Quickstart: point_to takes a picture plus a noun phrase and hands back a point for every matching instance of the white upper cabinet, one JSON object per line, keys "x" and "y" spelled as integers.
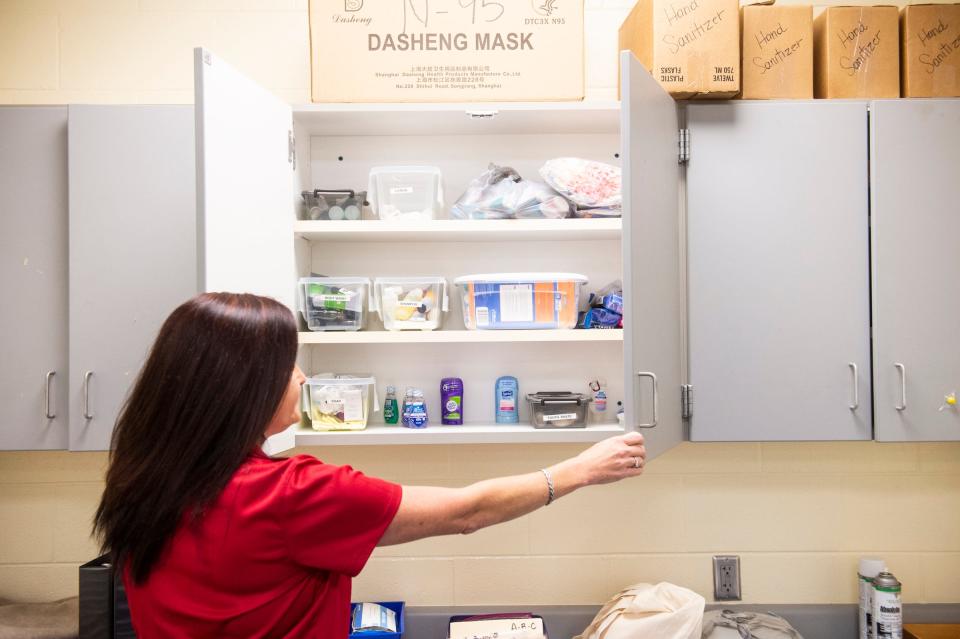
{"x": 33, "y": 277}
{"x": 915, "y": 196}
{"x": 245, "y": 184}
{"x": 778, "y": 271}
{"x": 651, "y": 259}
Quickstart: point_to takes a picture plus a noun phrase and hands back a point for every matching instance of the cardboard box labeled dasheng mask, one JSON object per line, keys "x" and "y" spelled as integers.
{"x": 930, "y": 50}
{"x": 857, "y": 53}
{"x": 777, "y": 52}
{"x": 692, "y": 47}
{"x": 446, "y": 50}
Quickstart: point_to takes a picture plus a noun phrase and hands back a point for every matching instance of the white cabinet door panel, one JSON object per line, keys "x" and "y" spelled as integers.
{"x": 915, "y": 193}
{"x": 33, "y": 277}
{"x": 245, "y": 183}
{"x": 651, "y": 259}
{"x": 779, "y": 310}
{"x": 132, "y": 250}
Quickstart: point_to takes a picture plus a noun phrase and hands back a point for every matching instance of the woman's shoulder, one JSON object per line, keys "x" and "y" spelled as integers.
{"x": 291, "y": 469}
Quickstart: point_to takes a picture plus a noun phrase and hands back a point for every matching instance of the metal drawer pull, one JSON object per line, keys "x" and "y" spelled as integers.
{"x": 49, "y": 414}
{"x": 903, "y": 387}
{"x": 86, "y": 395}
{"x": 856, "y": 387}
{"x": 653, "y": 378}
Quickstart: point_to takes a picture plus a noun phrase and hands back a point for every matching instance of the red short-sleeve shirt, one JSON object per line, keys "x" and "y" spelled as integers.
{"x": 272, "y": 557}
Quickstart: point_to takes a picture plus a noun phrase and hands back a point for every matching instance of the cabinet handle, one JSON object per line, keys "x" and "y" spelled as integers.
{"x": 86, "y": 395}
{"x": 653, "y": 378}
{"x": 856, "y": 387}
{"x": 49, "y": 414}
{"x": 903, "y": 387}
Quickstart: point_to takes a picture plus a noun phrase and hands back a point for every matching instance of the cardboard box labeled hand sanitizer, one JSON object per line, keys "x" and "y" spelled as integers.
{"x": 777, "y": 51}
{"x": 692, "y": 47}
{"x": 857, "y": 52}
{"x": 930, "y": 46}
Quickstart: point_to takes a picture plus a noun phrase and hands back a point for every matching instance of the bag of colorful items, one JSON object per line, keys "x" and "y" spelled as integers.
{"x": 605, "y": 308}
{"x": 594, "y": 187}
{"x": 500, "y": 193}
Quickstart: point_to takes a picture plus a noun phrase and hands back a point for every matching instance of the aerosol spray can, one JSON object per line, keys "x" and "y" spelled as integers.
{"x": 869, "y": 568}
{"x": 887, "y": 609}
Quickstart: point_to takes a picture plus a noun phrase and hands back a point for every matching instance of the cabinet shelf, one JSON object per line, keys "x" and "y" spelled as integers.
{"x": 459, "y": 336}
{"x": 466, "y": 434}
{"x": 570, "y": 229}
{"x": 488, "y": 118}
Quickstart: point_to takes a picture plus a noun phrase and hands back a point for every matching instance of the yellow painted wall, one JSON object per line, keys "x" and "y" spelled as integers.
{"x": 798, "y": 514}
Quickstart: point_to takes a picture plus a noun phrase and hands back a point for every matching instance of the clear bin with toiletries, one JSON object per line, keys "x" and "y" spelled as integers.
{"x": 558, "y": 410}
{"x": 520, "y": 300}
{"x": 339, "y": 402}
{"x": 410, "y": 303}
{"x": 334, "y": 303}
{"x": 406, "y": 192}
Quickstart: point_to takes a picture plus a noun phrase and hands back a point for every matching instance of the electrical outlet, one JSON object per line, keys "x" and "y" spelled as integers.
{"x": 726, "y": 578}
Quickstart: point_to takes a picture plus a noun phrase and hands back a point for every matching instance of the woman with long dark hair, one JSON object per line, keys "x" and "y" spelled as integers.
{"x": 215, "y": 539}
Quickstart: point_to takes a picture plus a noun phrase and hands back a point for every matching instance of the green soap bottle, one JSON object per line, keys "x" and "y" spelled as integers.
{"x": 391, "y": 412}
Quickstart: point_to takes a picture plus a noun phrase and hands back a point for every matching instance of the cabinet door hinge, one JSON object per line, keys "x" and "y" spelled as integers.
{"x": 292, "y": 150}
{"x": 686, "y": 401}
{"x": 683, "y": 155}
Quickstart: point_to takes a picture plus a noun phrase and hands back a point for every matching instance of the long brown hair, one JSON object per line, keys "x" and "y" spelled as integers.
{"x": 213, "y": 381}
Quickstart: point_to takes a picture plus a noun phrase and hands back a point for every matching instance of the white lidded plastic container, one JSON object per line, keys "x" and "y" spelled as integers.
{"x": 410, "y": 303}
{"x": 405, "y": 192}
{"x": 334, "y": 303}
{"x": 339, "y": 402}
{"x": 520, "y": 300}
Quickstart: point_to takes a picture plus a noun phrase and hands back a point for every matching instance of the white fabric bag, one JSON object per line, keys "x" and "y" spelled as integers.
{"x": 645, "y": 611}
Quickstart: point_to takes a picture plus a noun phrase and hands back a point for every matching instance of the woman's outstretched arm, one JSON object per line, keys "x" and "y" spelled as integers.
{"x": 427, "y": 511}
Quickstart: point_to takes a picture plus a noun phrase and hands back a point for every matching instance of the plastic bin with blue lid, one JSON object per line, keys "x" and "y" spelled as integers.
{"x": 520, "y": 300}
{"x": 357, "y": 612}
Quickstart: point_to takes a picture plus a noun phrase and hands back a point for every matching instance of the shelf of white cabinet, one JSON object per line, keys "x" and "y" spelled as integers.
{"x": 458, "y": 118}
{"x": 458, "y": 337}
{"x": 571, "y": 229}
{"x": 466, "y": 434}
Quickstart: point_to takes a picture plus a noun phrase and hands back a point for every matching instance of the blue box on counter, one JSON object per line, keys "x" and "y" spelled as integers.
{"x": 397, "y": 607}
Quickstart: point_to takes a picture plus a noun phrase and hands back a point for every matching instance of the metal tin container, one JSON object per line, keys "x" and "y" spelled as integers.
{"x": 558, "y": 410}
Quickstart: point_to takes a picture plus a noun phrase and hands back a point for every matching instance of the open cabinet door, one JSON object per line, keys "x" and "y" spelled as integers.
{"x": 651, "y": 259}
{"x": 244, "y": 184}
{"x": 245, "y": 178}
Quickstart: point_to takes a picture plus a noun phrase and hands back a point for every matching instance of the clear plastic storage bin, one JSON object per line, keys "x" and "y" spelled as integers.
{"x": 405, "y": 192}
{"x": 334, "y": 303}
{"x": 520, "y": 300}
{"x": 558, "y": 410}
{"x": 321, "y": 204}
{"x": 339, "y": 402}
{"x": 410, "y": 303}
